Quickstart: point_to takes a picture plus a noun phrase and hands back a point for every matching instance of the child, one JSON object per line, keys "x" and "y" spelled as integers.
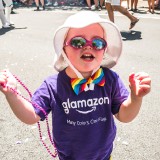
{"x": 85, "y": 96}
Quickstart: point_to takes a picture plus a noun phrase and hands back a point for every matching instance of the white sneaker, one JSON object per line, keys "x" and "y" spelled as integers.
{"x": 6, "y": 25}
{"x": 93, "y": 8}
{"x": 55, "y": 4}
{"x": 49, "y": 4}
{"x": 10, "y": 23}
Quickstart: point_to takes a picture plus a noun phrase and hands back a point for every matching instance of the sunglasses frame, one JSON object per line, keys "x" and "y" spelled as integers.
{"x": 88, "y": 43}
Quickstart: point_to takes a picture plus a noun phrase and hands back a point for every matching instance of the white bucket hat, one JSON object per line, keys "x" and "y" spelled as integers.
{"x": 80, "y": 20}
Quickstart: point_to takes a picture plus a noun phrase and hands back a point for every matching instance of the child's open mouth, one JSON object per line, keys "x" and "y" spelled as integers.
{"x": 87, "y": 57}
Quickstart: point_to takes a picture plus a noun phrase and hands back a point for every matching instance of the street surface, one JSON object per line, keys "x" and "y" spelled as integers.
{"x": 27, "y": 51}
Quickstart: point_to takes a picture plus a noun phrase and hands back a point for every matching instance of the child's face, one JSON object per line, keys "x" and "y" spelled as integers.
{"x": 85, "y": 59}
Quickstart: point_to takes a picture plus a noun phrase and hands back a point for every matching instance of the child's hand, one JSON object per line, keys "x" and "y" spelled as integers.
{"x": 7, "y": 79}
{"x": 140, "y": 84}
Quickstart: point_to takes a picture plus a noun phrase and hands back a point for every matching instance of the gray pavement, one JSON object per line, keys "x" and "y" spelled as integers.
{"x": 27, "y": 50}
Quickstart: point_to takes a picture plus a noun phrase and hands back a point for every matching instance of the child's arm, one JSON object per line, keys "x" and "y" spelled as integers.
{"x": 140, "y": 85}
{"x": 21, "y": 108}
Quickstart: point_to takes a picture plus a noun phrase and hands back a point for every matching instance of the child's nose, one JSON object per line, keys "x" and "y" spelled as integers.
{"x": 88, "y": 46}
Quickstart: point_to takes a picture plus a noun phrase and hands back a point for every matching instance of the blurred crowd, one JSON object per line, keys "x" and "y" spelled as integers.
{"x": 91, "y": 4}
{"x": 7, "y": 7}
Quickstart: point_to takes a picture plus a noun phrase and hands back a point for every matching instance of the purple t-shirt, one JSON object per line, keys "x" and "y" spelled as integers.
{"x": 83, "y": 125}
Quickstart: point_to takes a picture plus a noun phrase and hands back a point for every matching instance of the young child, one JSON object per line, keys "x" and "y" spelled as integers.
{"x": 85, "y": 96}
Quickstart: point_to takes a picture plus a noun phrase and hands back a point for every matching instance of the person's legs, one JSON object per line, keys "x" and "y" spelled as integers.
{"x": 8, "y": 12}
{"x": 132, "y": 2}
{"x": 125, "y": 12}
{"x": 135, "y": 4}
{"x": 88, "y": 3}
{"x": 3, "y": 19}
{"x": 156, "y": 4}
{"x": 2, "y": 16}
{"x": 101, "y": 3}
{"x": 42, "y": 3}
{"x": 152, "y": 4}
{"x": 128, "y": 4}
{"x": 149, "y": 5}
{"x": 110, "y": 11}
{"x": 96, "y": 3}
{"x": 8, "y": 8}
{"x": 37, "y": 5}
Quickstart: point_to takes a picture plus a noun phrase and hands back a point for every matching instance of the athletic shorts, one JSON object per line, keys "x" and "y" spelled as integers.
{"x": 113, "y": 2}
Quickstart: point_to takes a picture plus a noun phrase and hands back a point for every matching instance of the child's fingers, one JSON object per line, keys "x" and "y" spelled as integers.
{"x": 140, "y": 83}
{"x": 133, "y": 83}
{"x": 132, "y": 78}
{"x": 4, "y": 75}
{"x": 144, "y": 89}
{"x": 141, "y": 75}
{"x": 3, "y": 79}
{"x": 2, "y": 83}
{"x": 140, "y": 78}
{"x": 145, "y": 81}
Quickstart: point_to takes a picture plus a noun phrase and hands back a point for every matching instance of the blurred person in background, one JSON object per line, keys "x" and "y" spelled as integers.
{"x": 134, "y": 5}
{"x": 37, "y": 5}
{"x": 2, "y": 16}
{"x": 115, "y": 5}
{"x": 6, "y": 18}
{"x": 151, "y": 6}
{"x": 95, "y": 6}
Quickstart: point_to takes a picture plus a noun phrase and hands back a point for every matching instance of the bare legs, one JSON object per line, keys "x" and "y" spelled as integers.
{"x": 151, "y": 6}
{"x": 101, "y": 2}
{"x": 110, "y": 12}
{"x": 123, "y": 11}
{"x": 134, "y": 2}
{"x": 89, "y": 3}
{"x": 37, "y": 4}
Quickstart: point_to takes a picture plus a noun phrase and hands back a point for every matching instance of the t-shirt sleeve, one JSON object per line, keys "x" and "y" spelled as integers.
{"x": 41, "y": 101}
{"x": 119, "y": 94}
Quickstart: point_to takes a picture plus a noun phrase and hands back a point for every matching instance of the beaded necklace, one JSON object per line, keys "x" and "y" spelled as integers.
{"x": 54, "y": 155}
